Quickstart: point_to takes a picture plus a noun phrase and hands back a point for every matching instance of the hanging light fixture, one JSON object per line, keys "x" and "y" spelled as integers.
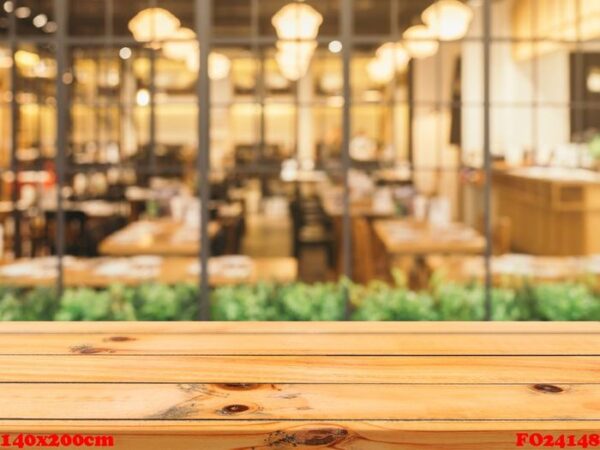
{"x": 380, "y": 70}
{"x": 448, "y": 19}
{"x": 153, "y": 24}
{"x": 394, "y": 54}
{"x": 293, "y": 58}
{"x": 182, "y": 45}
{"x": 297, "y": 21}
{"x": 420, "y": 41}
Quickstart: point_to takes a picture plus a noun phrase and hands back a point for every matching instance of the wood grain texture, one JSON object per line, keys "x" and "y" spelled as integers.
{"x": 401, "y": 386}
{"x": 318, "y": 402}
{"x": 90, "y": 366}
{"x": 382, "y": 344}
{"x": 418, "y": 328}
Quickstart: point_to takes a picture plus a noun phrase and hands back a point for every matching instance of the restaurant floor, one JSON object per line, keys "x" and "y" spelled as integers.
{"x": 272, "y": 237}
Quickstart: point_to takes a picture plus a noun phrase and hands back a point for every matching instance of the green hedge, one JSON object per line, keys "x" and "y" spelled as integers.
{"x": 321, "y": 301}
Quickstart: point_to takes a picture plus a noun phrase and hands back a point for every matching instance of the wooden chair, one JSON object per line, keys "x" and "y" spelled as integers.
{"x": 370, "y": 261}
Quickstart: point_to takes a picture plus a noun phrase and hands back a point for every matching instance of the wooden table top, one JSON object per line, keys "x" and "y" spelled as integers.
{"x": 163, "y": 237}
{"x": 358, "y": 208}
{"x": 443, "y": 386}
{"x": 517, "y": 266}
{"x": 406, "y": 236}
{"x": 171, "y": 270}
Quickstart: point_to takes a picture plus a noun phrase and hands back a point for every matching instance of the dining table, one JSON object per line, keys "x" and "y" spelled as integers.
{"x": 515, "y": 268}
{"x": 412, "y": 237}
{"x": 163, "y": 237}
{"x": 102, "y": 272}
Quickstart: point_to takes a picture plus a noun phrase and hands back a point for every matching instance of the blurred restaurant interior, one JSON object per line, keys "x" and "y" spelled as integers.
{"x": 246, "y": 141}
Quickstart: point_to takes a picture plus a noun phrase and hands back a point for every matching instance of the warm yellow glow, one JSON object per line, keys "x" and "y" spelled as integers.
{"x": 142, "y": 97}
{"x": 394, "y": 55}
{"x": 381, "y": 70}
{"x": 5, "y": 59}
{"x": 335, "y": 46}
{"x": 448, "y": 19}
{"x": 293, "y": 58}
{"x": 297, "y": 21}
{"x": 219, "y": 65}
{"x": 557, "y": 21}
{"x": 25, "y": 59}
{"x": 420, "y": 41}
{"x": 182, "y": 46}
{"x": 153, "y": 24}
{"x": 46, "y": 68}
{"x": 593, "y": 81}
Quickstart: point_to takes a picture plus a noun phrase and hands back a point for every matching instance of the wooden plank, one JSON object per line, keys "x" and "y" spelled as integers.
{"x": 345, "y": 435}
{"x": 298, "y": 369}
{"x": 144, "y": 384}
{"x": 301, "y": 344}
{"x": 418, "y": 328}
{"x": 327, "y": 402}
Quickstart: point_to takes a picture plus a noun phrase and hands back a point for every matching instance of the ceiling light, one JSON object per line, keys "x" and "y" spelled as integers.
{"x": 448, "y": 19}
{"x": 420, "y": 41}
{"x": 23, "y": 12}
{"x": 9, "y": 6}
{"x": 51, "y": 27}
{"x": 142, "y": 97}
{"x": 335, "y": 46}
{"x": 153, "y": 24}
{"x": 219, "y": 66}
{"x": 125, "y": 53}
{"x": 380, "y": 70}
{"x": 297, "y": 21}
{"x": 40, "y": 20}
{"x": 183, "y": 44}
{"x": 293, "y": 58}
{"x": 593, "y": 80}
{"x": 394, "y": 54}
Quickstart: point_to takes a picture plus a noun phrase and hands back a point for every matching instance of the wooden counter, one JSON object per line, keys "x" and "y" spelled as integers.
{"x": 351, "y": 386}
{"x": 550, "y": 215}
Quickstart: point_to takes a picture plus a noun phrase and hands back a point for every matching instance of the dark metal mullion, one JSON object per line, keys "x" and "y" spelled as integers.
{"x": 152, "y": 95}
{"x": 579, "y": 75}
{"x": 346, "y": 21}
{"x": 60, "y": 13}
{"x": 535, "y": 65}
{"x": 14, "y": 117}
{"x": 487, "y": 42}
{"x": 394, "y": 13}
{"x": 203, "y": 16}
